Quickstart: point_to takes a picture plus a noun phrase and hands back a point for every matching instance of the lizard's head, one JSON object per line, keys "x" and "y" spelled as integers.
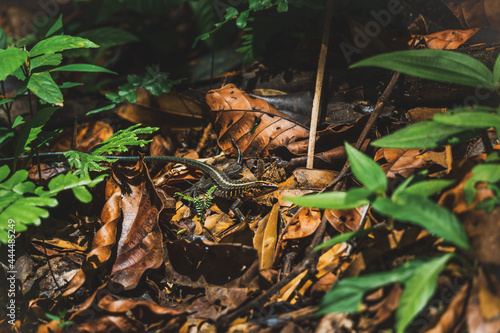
{"x": 260, "y": 188}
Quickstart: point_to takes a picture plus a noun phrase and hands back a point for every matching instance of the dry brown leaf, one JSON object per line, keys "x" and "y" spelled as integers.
{"x": 483, "y": 309}
{"x": 254, "y": 125}
{"x": 476, "y": 13}
{"x": 304, "y": 224}
{"x": 406, "y": 162}
{"x": 448, "y": 39}
{"x": 134, "y": 205}
{"x": 266, "y": 237}
{"x": 88, "y": 136}
{"x": 346, "y": 220}
{"x": 453, "y": 315}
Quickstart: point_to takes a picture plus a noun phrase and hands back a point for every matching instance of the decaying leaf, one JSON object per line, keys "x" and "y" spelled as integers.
{"x": 254, "y": 125}
{"x": 132, "y": 207}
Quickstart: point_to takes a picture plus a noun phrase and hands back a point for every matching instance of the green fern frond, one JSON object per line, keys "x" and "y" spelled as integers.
{"x": 117, "y": 143}
{"x": 23, "y": 204}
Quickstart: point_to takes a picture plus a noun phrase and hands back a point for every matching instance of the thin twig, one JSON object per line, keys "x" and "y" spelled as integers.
{"x": 319, "y": 84}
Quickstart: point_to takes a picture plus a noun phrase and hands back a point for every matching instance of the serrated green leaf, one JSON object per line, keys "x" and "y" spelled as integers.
{"x": 439, "y": 65}
{"x": 366, "y": 170}
{"x": 347, "y": 295}
{"x": 46, "y": 60}
{"x": 60, "y": 43}
{"x": 419, "y": 289}
{"x": 472, "y": 119}
{"x": 480, "y": 173}
{"x": 109, "y": 36}
{"x": 82, "y": 68}
{"x": 425, "y": 213}
{"x": 42, "y": 85}
{"x": 343, "y": 238}
{"x": 427, "y": 188}
{"x": 353, "y": 198}
{"x": 57, "y": 27}
{"x": 10, "y": 60}
{"x": 425, "y": 134}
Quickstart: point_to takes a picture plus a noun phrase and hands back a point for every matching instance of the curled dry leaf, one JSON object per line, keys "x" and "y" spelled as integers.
{"x": 132, "y": 206}
{"x": 254, "y": 125}
{"x": 88, "y": 136}
{"x": 448, "y": 39}
{"x": 476, "y": 13}
{"x": 454, "y": 313}
{"x": 406, "y": 162}
{"x": 109, "y": 310}
{"x": 303, "y": 224}
{"x": 266, "y": 237}
{"x": 346, "y": 220}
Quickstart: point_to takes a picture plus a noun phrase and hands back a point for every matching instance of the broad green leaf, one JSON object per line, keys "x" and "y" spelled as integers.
{"x": 439, "y": 65}
{"x": 109, "y": 37}
{"x": 33, "y": 128}
{"x": 343, "y": 238}
{"x": 426, "y": 188}
{"x": 496, "y": 71}
{"x": 46, "y": 60}
{"x": 57, "y": 27}
{"x": 425, "y": 213}
{"x": 82, "y": 68}
{"x": 60, "y": 43}
{"x": 481, "y": 173}
{"x": 3, "y": 40}
{"x": 347, "y": 295}
{"x": 425, "y": 134}
{"x": 419, "y": 288}
{"x": 334, "y": 200}
{"x": 10, "y": 60}
{"x": 470, "y": 119}
{"x": 366, "y": 170}
{"x": 42, "y": 85}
